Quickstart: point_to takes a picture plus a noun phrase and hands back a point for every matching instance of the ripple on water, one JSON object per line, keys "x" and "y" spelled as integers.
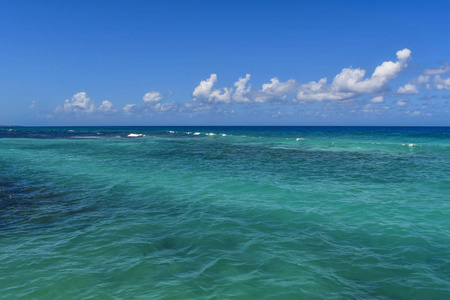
{"x": 264, "y": 216}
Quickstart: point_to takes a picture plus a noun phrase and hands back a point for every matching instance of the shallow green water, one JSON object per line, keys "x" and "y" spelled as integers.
{"x": 225, "y": 213}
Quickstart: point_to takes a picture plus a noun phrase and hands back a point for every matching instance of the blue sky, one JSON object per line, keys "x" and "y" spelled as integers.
{"x": 225, "y": 63}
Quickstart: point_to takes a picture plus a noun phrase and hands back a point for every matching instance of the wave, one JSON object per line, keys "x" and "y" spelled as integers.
{"x": 136, "y": 135}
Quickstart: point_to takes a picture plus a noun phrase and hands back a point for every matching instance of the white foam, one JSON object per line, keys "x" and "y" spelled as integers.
{"x": 170, "y": 131}
{"x": 299, "y": 139}
{"x": 412, "y": 145}
{"x": 135, "y": 135}
{"x": 223, "y": 134}
{"x": 210, "y": 133}
{"x": 197, "y": 133}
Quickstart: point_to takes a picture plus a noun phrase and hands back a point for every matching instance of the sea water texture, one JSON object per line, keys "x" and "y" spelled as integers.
{"x": 225, "y": 213}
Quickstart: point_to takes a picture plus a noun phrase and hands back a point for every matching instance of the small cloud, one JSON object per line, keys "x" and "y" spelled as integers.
{"x": 106, "y": 107}
{"x": 129, "y": 108}
{"x": 441, "y": 83}
{"x": 242, "y": 92}
{"x": 402, "y": 102}
{"x": 320, "y": 91}
{"x": 442, "y": 69}
{"x": 411, "y": 87}
{"x": 33, "y": 104}
{"x": 377, "y": 99}
{"x": 204, "y": 91}
{"x": 79, "y": 104}
{"x": 161, "y": 107}
{"x": 275, "y": 90}
{"x": 152, "y": 97}
{"x": 408, "y": 89}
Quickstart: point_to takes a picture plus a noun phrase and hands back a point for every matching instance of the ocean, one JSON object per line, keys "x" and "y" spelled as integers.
{"x": 225, "y": 213}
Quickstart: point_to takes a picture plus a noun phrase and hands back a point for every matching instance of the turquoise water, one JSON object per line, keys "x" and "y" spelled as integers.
{"x": 225, "y": 213}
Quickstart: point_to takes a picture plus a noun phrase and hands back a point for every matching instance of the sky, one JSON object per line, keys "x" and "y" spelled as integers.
{"x": 357, "y": 63}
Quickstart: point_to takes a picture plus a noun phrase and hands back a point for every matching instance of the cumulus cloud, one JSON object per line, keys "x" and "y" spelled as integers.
{"x": 320, "y": 91}
{"x": 79, "y": 103}
{"x": 351, "y": 82}
{"x": 408, "y": 88}
{"x": 422, "y": 79}
{"x": 348, "y": 84}
{"x": 275, "y": 90}
{"x": 412, "y": 86}
{"x": 204, "y": 91}
{"x": 377, "y": 99}
{"x": 152, "y": 97}
{"x": 242, "y": 92}
{"x": 221, "y": 95}
{"x": 441, "y": 83}
{"x": 106, "y": 107}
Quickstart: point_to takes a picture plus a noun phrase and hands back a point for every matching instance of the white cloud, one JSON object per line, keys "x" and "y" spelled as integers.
{"x": 412, "y": 86}
{"x": 79, "y": 103}
{"x": 352, "y": 80}
{"x": 402, "y": 102}
{"x": 275, "y": 90}
{"x": 33, "y": 104}
{"x": 221, "y": 95}
{"x": 129, "y": 108}
{"x": 106, "y": 107}
{"x": 242, "y": 92}
{"x": 152, "y": 97}
{"x": 442, "y": 69}
{"x": 204, "y": 91}
{"x": 408, "y": 88}
{"x": 441, "y": 83}
{"x": 161, "y": 107}
{"x": 422, "y": 79}
{"x": 377, "y": 99}
{"x": 319, "y": 91}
